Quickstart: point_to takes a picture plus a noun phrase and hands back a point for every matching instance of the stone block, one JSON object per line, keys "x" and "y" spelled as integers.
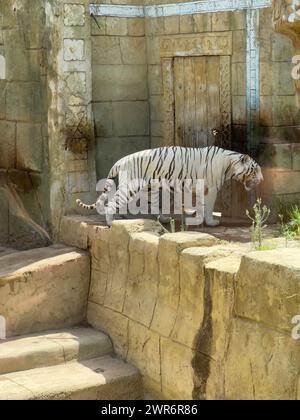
{"x": 106, "y": 50}
{"x": 156, "y": 108}
{"x": 136, "y": 27}
{"x": 119, "y": 265}
{"x": 113, "y": 83}
{"x": 100, "y": 266}
{"x": 296, "y": 157}
{"x": 103, "y": 119}
{"x": 116, "y": 26}
{"x": 51, "y": 294}
{"x": 78, "y": 182}
{"x": 157, "y": 128}
{"x": 283, "y": 83}
{"x": 121, "y": 147}
{"x": 143, "y": 278}
{"x": 24, "y": 102}
{"x": 282, "y": 48}
{"x": 74, "y": 15}
{"x": 170, "y": 247}
{"x": 144, "y": 353}
{"x": 279, "y": 182}
{"x": 276, "y": 275}
{"x": 177, "y": 373}
{"x": 203, "y": 22}
{"x": 266, "y": 111}
{"x": 23, "y": 65}
{"x": 221, "y": 21}
{"x": 239, "y": 79}
{"x": 239, "y": 47}
{"x": 172, "y": 25}
{"x": 155, "y": 80}
{"x": 131, "y": 118}
{"x": 98, "y": 26}
{"x": 262, "y": 364}
{"x": 76, "y": 84}
{"x": 154, "y": 26}
{"x": 30, "y": 147}
{"x": 4, "y": 214}
{"x": 157, "y": 142}
{"x": 74, "y": 49}
{"x": 238, "y": 20}
{"x": 266, "y": 78}
{"x": 190, "y": 314}
{"x": 285, "y": 111}
{"x": 133, "y": 50}
{"x": 76, "y": 116}
{"x": 239, "y": 111}
{"x": 80, "y": 231}
{"x": 213, "y": 339}
{"x": 2, "y": 99}
{"x": 186, "y": 24}
{"x": 153, "y": 49}
{"x": 8, "y": 140}
{"x": 277, "y": 156}
{"x": 112, "y": 323}
{"x": 265, "y": 17}
{"x": 265, "y": 44}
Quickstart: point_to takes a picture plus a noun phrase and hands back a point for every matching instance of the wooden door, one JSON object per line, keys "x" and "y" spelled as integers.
{"x": 197, "y": 100}
{"x": 202, "y": 103}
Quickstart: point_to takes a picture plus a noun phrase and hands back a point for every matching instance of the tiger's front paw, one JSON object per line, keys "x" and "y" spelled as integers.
{"x": 212, "y": 222}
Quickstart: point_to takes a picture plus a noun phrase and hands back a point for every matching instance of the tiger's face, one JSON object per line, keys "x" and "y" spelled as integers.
{"x": 249, "y": 173}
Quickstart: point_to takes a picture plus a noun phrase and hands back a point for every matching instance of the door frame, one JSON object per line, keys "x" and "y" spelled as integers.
{"x": 207, "y": 44}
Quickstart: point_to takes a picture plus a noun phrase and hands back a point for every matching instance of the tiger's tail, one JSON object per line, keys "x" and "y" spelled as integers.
{"x": 86, "y": 206}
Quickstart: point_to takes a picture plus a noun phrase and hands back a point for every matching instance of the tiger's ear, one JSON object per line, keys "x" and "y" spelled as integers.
{"x": 246, "y": 159}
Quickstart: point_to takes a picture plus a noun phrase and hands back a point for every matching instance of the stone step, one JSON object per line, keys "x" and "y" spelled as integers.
{"x": 43, "y": 289}
{"x": 104, "y": 378}
{"x": 52, "y": 348}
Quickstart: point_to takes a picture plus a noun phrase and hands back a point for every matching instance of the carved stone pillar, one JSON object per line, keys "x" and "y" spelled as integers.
{"x": 286, "y": 20}
{"x": 70, "y": 121}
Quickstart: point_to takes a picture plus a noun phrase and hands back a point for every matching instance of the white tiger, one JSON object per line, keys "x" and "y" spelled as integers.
{"x": 212, "y": 164}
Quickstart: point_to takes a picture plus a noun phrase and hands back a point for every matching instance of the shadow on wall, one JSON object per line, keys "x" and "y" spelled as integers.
{"x": 18, "y": 229}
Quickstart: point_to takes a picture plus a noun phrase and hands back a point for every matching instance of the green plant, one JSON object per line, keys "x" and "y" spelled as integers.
{"x": 290, "y": 230}
{"x": 259, "y": 218}
{"x": 295, "y": 220}
{"x": 284, "y": 208}
{"x": 268, "y": 247}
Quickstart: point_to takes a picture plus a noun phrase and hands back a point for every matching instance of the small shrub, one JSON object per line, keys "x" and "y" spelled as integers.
{"x": 295, "y": 220}
{"x": 284, "y": 208}
{"x": 267, "y": 247}
{"x": 259, "y": 218}
{"x": 290, "y": 230}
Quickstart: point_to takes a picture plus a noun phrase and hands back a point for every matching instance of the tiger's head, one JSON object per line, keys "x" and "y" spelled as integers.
{"x": 248, "y": 172}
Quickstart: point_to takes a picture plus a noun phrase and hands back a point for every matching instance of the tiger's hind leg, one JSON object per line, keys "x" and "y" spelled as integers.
{"x": 210, "y": 200}
{"x": 118, "y": 204}
{"x": 103, "y": 199}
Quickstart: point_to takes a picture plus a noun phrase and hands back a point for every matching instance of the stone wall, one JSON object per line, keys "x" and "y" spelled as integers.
{"x": 23, "y": 124}
{"x": 120, "y": 89}
{"x": 121, "y": 110}
{"x": 47, "y": 131}
{"x": 279, "y": 114}
{"x": 200, "y": 319}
